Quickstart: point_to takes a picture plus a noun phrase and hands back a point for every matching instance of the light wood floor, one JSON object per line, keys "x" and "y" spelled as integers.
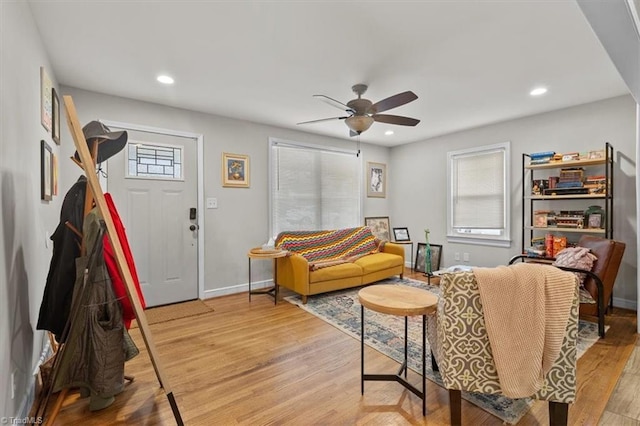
{"x": 256, "y": 363}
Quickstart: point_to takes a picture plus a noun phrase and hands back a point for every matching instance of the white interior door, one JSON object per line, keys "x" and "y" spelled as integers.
{"x": 153, "y": 182}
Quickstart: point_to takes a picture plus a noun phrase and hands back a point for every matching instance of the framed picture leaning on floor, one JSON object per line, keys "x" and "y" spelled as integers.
{"x": 436, "y": 254}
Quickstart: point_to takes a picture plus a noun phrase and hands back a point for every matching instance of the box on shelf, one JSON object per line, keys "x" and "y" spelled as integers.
{"x": 554, "y": 244}
{"x": 573, "y": 174}
{"x": 571, "y": 156}
{"x": 559, "y": 244}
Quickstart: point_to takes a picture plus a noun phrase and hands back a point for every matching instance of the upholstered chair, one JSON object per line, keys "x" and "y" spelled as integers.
{"x": 462, "y": 352}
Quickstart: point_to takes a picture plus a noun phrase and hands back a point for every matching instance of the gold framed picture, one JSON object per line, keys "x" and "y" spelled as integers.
{"x": 235, "y": 170}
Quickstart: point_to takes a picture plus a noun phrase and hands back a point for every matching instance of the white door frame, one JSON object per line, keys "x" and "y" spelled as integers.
{"x": 199, "y": 138}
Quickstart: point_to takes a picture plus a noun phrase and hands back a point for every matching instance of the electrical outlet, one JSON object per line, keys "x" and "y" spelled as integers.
{"x": 13, "y": 385}
{"x": 212, "y": 203}
{"x": 465, "y": 257}
{"x": 456, "y": 256}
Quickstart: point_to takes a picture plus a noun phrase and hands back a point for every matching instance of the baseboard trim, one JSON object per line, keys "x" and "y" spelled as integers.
{"x": 234, "y": 289}
{"x": 625, "y": 304}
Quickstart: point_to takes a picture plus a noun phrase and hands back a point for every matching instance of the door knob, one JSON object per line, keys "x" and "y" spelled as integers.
{"x": 193, "y": 227}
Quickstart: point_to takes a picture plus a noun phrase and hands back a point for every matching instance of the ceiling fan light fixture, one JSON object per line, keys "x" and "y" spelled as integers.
{"x": 359, "y": 123}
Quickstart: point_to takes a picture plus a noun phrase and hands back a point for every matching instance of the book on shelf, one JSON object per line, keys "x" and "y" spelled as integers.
{"x": 566, "y": 191}
{"x": 541, "y": 160}
{"x": 569, "y": 184}
{"x": 544, "y": 154}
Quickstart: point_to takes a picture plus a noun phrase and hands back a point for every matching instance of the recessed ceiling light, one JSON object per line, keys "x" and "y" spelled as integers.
{"x": 388, "y": 132}
{"x": 165, "y": 79}
{"x": 538, "y": 91}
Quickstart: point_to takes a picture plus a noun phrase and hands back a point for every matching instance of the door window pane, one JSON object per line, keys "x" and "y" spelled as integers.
{"x": 153, "y": 161}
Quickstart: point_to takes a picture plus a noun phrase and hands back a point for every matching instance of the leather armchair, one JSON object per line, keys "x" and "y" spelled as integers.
{"x": 600, "y": 280}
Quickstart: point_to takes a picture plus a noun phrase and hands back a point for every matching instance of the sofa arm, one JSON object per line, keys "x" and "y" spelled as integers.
{"x": 394, "y": 249}
{"x": 293, "y": 273}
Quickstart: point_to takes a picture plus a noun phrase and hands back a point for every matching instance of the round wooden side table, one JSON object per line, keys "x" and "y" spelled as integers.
{"x": 273, "y": 254}
{"x": 404, "y": 301}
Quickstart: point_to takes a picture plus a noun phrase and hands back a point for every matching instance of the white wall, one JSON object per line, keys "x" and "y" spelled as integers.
{"x": 241, "y": 219}
{"x": 418, "y": 184}
{"x": 24, "y": 258}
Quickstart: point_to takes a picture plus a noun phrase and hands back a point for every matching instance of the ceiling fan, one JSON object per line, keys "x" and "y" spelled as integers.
{"x": 362, "y": 112}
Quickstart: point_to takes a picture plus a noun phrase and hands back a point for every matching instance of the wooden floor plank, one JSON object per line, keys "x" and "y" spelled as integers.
{"x": 256, "y": 363}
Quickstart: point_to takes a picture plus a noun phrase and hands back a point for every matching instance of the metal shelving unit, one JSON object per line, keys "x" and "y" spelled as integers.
{"x": 528, "y": 200}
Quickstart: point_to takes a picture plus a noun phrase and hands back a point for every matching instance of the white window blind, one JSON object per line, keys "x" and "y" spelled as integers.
{"x": 314, "y": 188}
{"x": 479, "y": 194}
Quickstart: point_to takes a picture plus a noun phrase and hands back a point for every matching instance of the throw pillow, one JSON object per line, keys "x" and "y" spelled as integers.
{"x": 576, "y": 257}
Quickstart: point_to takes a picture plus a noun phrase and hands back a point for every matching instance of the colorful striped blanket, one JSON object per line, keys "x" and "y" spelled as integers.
{"x": 328, "y": 248}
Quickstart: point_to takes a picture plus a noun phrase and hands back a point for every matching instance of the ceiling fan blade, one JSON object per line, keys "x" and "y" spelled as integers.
{"x": 322, "y": 119}
{"x": 393, "y": 101}
{"x": 395, "y": 119}
{"x": 334, "y": 103}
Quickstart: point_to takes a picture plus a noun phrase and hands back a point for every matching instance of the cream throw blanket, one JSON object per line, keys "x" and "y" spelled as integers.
{"x": 526, "y": 309}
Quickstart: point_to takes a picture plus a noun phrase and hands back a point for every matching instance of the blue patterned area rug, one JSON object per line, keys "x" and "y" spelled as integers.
{"x": 385, "y": 334}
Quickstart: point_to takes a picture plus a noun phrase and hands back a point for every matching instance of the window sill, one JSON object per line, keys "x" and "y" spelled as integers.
{"x": 492, "y": 242}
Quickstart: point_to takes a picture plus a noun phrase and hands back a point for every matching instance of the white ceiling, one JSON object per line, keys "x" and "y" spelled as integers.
{"x": 470, "y": 62}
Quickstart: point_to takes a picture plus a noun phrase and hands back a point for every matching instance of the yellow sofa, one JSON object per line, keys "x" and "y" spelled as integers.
{"x": 323, "y": 261}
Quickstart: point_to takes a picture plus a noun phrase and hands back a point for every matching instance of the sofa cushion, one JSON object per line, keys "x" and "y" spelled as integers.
{"x": 344, "y": 270}
{"x": 378, "y": 262}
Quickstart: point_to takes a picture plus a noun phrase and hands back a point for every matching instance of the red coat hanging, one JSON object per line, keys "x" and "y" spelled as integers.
{"x": 119, "y": 287}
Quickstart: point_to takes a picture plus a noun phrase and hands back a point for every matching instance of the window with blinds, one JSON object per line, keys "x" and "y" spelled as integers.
{"x": 478, "y": 195}
{"x": 313, "y": 187}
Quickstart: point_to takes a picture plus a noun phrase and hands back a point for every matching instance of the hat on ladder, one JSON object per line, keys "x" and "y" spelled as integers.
{"x": 109, "y": 143}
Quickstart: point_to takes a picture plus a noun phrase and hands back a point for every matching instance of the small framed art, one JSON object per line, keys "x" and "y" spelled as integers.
{"x": 595, "y": 220}
{"x": 45, "y": 99}
{"x": 46, "y": 172}
{"x": 379, "y": 227}
{"x": 235, "y": 170}
{"x": 401, "y": 234}
{"x": 376, "y": 180}
{"x": 421, "y": 253}
{"x": 55, "y": 110}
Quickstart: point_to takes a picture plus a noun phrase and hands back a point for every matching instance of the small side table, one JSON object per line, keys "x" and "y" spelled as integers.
{"x": 403, "y": 301}
{"x": 410, "y": 254}
{"x": 259, "y": 253}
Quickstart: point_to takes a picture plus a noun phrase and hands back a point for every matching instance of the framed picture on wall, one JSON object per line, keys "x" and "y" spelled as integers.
{"x": 379, "y": 227}
{"x": 55, "y": 110}
{"x": 46, "y": 171}
{"x": 46, "y": 104}
{"x": 235, "y": 170}
{"x": 436, "y": 254}
{"x": 376, "y": 180}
